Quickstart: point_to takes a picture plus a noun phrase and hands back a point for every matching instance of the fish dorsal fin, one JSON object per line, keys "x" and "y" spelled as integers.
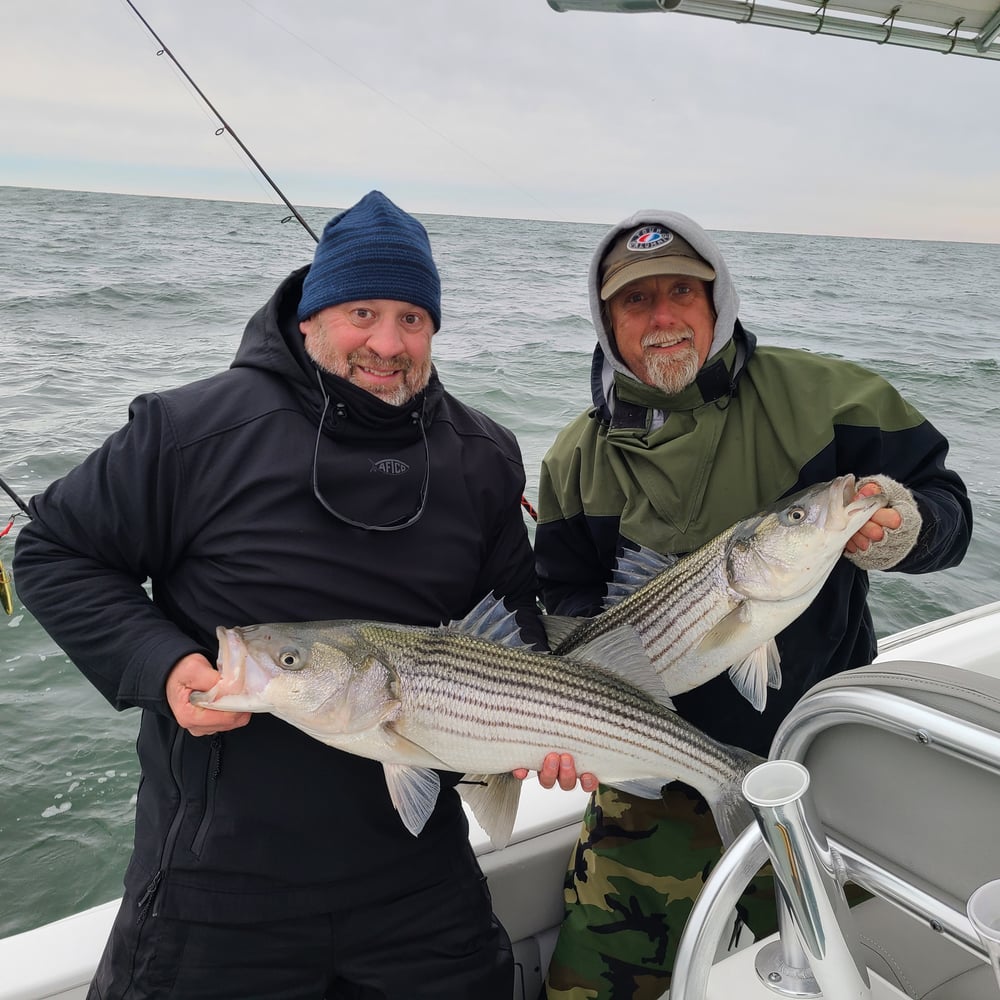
{"x": 414, "y": 793}
{"x": 493, "y": 799}
{"x": 491, "y": 620}
{"x": 558, "y": 628}
{"x": 620, "y": 652}
{"x": 634, "y": 568}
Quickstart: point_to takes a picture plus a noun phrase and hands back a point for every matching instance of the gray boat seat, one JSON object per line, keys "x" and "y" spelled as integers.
{"x": 904, "y": 763}
{"x": 920, "y": 962}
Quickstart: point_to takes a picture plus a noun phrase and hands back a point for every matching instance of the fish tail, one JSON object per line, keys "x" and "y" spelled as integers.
{"x": 731, "y": 810}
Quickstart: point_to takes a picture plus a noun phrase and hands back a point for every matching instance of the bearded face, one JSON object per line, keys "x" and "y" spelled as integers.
{"x": 380, "y": 345}
{"x": 663, "y": 328}
{"x": 674, "y": 371}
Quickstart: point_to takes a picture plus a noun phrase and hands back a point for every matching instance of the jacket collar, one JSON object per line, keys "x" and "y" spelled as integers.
{"x": 360, "y": 415}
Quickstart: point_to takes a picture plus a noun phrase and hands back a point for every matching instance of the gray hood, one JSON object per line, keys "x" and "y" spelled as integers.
{"x": 725, "y": 298}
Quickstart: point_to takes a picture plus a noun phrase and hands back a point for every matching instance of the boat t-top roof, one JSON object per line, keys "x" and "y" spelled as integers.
{"x": 959, "y": 27}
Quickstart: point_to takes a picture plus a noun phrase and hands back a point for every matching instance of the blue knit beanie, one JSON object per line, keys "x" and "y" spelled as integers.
{"x": 372, "y": 251}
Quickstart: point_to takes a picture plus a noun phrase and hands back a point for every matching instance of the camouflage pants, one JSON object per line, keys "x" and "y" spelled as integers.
{"x": 632, "y": 881}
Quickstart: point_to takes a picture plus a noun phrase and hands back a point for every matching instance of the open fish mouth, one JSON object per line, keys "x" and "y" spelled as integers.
{"x": 843, "y": 507}
{"x": 853, "y": 504}
{"x": 232, "y": 661}
{"x": 232, "y": 664}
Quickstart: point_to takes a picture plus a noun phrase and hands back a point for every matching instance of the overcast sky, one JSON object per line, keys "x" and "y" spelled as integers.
{"x": 503, "y": 108}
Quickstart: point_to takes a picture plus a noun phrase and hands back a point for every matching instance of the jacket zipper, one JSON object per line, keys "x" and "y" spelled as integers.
{"x": 142, "y": 907}
{"x": 211, "y": 786}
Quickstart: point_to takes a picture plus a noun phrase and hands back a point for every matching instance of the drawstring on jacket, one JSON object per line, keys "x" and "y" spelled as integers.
{"x": 341, "y": 413}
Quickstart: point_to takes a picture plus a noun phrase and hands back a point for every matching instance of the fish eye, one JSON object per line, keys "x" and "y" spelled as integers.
{"x": 795, "y": 514}
{"x": 289, "y": 658}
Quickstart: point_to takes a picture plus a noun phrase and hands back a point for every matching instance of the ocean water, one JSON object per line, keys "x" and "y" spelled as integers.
{"x": 106, "y": 296}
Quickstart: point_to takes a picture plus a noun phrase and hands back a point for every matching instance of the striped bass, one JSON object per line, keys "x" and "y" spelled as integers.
{"x": 470, "y": 697}
{"x": 720, "y": 607}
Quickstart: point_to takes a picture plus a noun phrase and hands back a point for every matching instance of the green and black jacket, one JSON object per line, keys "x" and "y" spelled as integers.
{"x": 672, "y": 472}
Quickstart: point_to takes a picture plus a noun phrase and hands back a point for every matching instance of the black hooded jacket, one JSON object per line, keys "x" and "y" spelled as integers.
{"x": 207, "y": 493}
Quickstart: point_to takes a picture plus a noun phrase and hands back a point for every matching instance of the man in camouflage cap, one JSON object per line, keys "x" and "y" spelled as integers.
{"x": 694, "y": 428}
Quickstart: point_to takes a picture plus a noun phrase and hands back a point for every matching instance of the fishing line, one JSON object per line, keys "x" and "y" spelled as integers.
{"x": 513, "y": 185}
{"x": 225, "y": 128}
{"x": 225, "y": 125}
{"x": 164, "y": 50}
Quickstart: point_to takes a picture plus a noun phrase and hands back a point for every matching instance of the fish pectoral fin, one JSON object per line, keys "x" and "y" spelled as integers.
{"x": 642, "y": 788}
{"x": 753, "y": 675}
{"x": 355, "y": 717}
{"x": 727, "y": 630}
{"x": 415, "y": 755}
{"x": 493, "y": 799}
{"x": 414, "y": 793}
{"x": 758, "y": 670}
{"x": 558, "y": 628}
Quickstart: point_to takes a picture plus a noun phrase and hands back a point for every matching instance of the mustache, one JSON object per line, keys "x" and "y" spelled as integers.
{"x": 368, "y": 359}
{"x": 666, "y": 338}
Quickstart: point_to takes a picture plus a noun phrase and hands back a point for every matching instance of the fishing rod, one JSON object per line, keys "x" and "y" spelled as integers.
{"x": 10, "y": 492}
{"x": 226, "y": 127}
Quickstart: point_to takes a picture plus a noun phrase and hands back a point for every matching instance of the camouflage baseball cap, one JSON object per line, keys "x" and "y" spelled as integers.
{"x": 646, "y": 251}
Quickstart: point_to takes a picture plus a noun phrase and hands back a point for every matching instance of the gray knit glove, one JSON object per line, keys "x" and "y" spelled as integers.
{"x": 896, "y": 543}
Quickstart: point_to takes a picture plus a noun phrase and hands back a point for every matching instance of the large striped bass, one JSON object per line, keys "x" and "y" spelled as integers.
{"x": 720, "y": 607}
{"x": 470, "y": 697}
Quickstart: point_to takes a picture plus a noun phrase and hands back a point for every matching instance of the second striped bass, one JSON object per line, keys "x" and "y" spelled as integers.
{"x": 720, "y": 607}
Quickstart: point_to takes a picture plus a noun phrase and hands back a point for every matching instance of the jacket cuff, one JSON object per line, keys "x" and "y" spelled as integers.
{"x": 897, "y": 542}
{"x": 144, "y": 683}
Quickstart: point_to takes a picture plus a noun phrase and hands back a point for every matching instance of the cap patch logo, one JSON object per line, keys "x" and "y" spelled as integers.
{"x": 649, "y": 238}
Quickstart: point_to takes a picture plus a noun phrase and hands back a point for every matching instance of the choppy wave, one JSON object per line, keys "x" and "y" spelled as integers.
{"x": 106, "y": 296}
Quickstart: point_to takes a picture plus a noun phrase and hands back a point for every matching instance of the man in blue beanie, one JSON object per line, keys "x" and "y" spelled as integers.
{"x": 326, "y": 474}
{"x": 373, "y": 251}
